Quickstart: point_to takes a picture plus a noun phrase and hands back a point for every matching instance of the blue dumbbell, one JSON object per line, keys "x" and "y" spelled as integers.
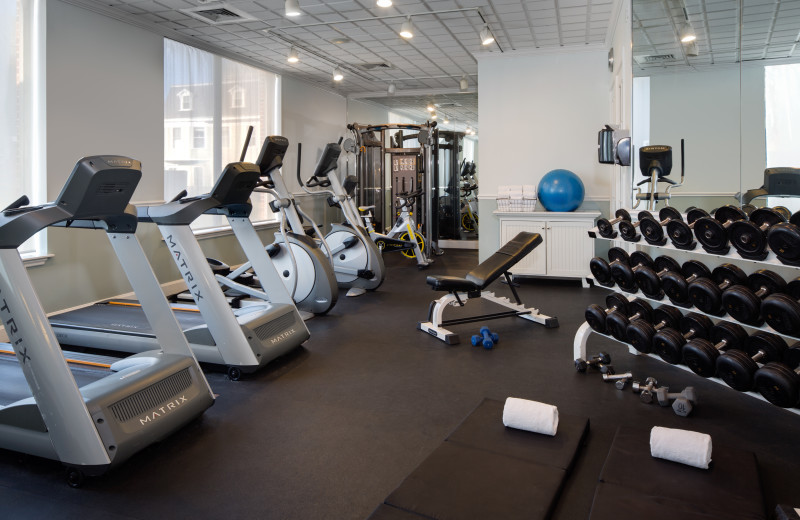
{"x": 486, "y": 337}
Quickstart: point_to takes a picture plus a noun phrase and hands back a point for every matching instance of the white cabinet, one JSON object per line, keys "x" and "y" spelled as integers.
{"x": 566, "y": 249}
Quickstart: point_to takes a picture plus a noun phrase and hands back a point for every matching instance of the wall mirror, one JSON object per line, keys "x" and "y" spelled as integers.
{"x": 730, "y": 93}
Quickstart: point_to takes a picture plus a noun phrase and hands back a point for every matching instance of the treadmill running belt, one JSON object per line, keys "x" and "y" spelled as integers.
{"x": 124, "y": 319}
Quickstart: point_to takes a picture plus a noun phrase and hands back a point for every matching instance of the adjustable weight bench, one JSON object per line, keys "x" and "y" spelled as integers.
{"x": 473, "y": 285}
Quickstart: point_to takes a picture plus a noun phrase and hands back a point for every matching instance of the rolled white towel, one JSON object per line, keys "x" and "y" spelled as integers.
{"x": 529, "y": 191}
{"x": 684, "y": 446}
{"x": 530, "y": 415}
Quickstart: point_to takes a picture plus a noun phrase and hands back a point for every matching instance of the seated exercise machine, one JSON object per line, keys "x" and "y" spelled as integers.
{"x": 304, "y": 268}
{"x": 243, "y": 339}
{"x": 146, "y": 397}
{"x": 474, "y": 285}
{"x": 356, "y": 259}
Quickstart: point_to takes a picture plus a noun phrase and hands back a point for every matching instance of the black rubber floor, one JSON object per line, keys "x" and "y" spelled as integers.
{"x": 332, "y": 429}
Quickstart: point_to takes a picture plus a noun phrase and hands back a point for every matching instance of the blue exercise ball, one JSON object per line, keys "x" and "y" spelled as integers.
{"x": 561, "y": 190}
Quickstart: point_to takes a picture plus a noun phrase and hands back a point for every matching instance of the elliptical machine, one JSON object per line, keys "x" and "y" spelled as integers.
{"x": 303, "y": 267}
{"x": 356, "y": 259}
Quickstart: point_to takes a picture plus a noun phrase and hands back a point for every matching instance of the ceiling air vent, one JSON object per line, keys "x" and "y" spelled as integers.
{"x": 218, "y": 14}
{"x": 654, "y": 58}
{"x": 375, "y": 66}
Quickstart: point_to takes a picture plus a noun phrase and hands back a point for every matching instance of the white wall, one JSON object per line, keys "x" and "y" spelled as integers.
{"x": 537, "y": 113}
{"x": 366, "y": 113}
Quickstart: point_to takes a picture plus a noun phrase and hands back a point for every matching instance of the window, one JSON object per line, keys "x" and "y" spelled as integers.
{"x": 21, "y": 105}
{"x": 226, "y": 97}
{"x": 198, "y": 137}
{"x": 782, "y": 114}
{"x": 185, "y": 100}
{"x": 237, "y": 97}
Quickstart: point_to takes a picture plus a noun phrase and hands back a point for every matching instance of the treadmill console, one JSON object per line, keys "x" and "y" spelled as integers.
{"x": 100, "y": 186}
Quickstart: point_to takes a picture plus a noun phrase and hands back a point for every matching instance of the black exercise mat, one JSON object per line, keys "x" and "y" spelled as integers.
{"x": 384, "y": 512}
{"x": 459, "y": 482}
{"x": 484, "y": 429}
{"x": 612, "y": 502}
{"x": 730, "y": 488}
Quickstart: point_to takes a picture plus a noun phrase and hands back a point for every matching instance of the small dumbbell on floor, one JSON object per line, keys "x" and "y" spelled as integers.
{"x": 646, "y": 389}
{"x": 486, "y": 338}
{"x": 620, "y": 380}
{"x": 682, "y": 403}
{"x": 602, "y": 362}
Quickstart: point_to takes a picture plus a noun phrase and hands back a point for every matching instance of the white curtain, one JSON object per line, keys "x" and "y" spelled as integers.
{"x": 22, "y": 108}
{"x": 781, "y": 88}
{"x": 209, "y": 104}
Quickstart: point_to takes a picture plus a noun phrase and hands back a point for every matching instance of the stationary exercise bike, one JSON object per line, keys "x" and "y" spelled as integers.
{"x": 469, "y": 215}
{"x": 356, "y": 259}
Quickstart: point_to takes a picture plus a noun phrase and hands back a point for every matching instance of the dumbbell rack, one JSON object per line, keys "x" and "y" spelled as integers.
{"x": 585, "y": 331}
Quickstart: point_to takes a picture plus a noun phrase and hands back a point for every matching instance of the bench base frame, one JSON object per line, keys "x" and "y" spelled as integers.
{"x": 435, "y": 324}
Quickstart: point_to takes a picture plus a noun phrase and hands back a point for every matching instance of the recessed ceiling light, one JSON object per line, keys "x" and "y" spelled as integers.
{"x": 341, "y": 40}
{"x": 384, "y": 3}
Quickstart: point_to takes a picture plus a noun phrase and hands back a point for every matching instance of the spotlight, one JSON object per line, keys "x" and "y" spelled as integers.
{"x": 292, "y": 58}
{"x": 337, "y": 74}
{"x": 392, "y": 88}
{"x": 445, "y": 121}
{"x": 433, "y": 115}
{"x": 691, "y": 49}
{"x": 384, "y": 3}
{"x": 407, "y": 29}
{"x": 686, "y": 33}
{"x": 486, "y": 35}
{"x": 430, "y": 107}
{"x": 463, "y": 83}
{"x": 291, "y": 8}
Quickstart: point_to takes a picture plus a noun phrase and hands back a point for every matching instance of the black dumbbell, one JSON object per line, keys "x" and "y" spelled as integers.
{"x": 649, "y": 280}
{"x": 744, "y": 303}
{"x": 625, "y": 274}
{"x": 779, "y": 383}
{"x": 676, "y": 284}
{"x": 706, "y": 293}
{"x": 596, "y": 315}
{"x": 601, "y": 361}
{"x": 712, "y": 233}
{"x": 601, "y": 270}
{"x": 606, "y": 227}
{"x": 781, "y": 311}
{"x": 640, "y": 332}
{"x": 653, "y": 231}
{"x": 784, "y": 240}
{"x": 627, "y": 229}
{"x": 680, "y": 232}
{"x": 617, "y": 322}
{"x": 782, "y": 210}
{"x": 749, "y": 237}
{"x": 737, "y": 367}
{"x": 700, "y": 354}
{"x": 668, "y": 343}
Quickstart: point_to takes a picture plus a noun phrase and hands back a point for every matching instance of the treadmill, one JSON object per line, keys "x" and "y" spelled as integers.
{"x": 243, "y": 339}
{"x": 112, "y": 415}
